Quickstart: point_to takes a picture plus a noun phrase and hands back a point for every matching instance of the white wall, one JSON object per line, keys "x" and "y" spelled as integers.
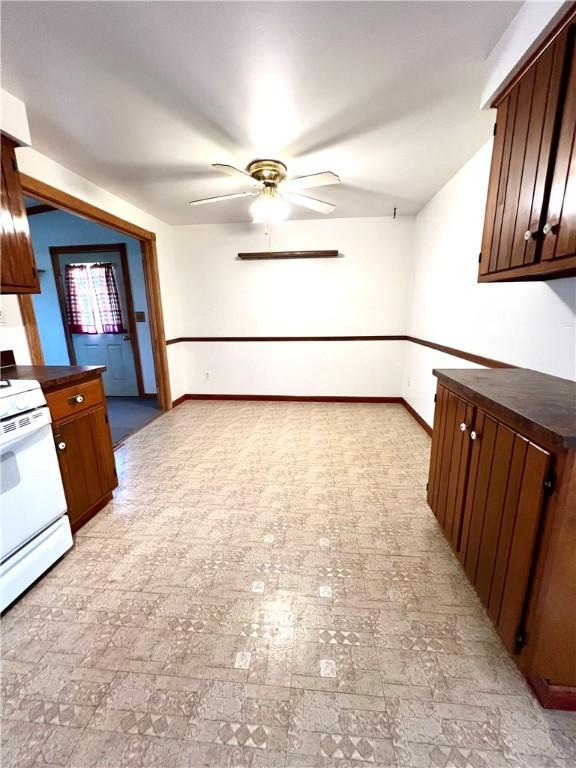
{"x": 529, "y": 324}
{"x": 12, "y": 335}
{"x": 14, "y": 118}
{"x": 362, "y": 293}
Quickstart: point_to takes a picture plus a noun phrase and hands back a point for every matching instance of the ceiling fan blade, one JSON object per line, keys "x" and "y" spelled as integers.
{"x": 237, "y": 173}
{"x": 312, "y": 180}
{"x": 218, "y": 198}
{"x": 308, "y": 202}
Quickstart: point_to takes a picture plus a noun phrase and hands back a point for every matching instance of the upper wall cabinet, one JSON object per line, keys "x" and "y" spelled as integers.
{"x": 530, "y": 222}
{"x": 18, "y": 269}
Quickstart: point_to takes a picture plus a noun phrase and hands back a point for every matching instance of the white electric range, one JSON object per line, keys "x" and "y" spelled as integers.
{"x": 34, "y": 527}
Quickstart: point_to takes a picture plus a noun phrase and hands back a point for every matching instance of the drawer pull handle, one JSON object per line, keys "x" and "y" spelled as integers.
{"x": 474, "y": 435}
{"x": 463, "y": 427}
{"x": 61, "y": 445}
{"x": 76, "y": 399}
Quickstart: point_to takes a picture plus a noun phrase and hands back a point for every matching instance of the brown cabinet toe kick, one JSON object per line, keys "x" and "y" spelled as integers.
{"x": 502, "y": 485}
{"x": 84, "y": 447}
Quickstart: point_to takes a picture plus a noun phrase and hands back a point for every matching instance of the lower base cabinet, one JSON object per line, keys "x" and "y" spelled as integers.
{"x": 84, "y": 448}
{"x": 506, "y": 501}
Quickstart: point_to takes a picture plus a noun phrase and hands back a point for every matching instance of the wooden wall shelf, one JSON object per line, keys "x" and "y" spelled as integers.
{"x": 288, "y": 255}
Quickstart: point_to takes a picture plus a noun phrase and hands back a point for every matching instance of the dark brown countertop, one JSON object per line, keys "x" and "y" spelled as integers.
{"x": 536, "y": 403}
{"x": 53, "y": 376}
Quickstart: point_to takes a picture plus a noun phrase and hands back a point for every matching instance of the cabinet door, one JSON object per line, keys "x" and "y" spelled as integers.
{"x": 449, "y": 461}
{"x": 86, "y": 456}
{"x": 520, "y": 161}
{"x": 502, "y": 511}
{"x": 18, "y": 269}
{"x": 560, "y": 228}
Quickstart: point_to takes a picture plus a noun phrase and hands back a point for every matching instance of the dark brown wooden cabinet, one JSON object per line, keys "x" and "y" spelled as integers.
{"x": 502, "y": 485}
{"x": 530, "y": 220}
{"x": 84, "y": 448}
{"x": 449, "y": 465}
{"x": 18, "y": 267}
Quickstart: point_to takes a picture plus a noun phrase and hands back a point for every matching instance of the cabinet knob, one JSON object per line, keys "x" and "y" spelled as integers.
{"x": 529, "y": 235}
{"x": 463, "y": 427}
{"x": 549, "y": 228}
{"x": 76, "y": 399}
{"x": 474, "y": 435}
{"x": 61, "y": 445}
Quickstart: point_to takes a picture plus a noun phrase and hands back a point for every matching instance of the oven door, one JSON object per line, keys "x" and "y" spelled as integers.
{"x": 32, "y": 495}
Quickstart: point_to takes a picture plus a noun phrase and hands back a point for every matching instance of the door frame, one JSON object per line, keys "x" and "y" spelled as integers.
{"x": 65, "y": 202}
{"x": 119, "y": 248}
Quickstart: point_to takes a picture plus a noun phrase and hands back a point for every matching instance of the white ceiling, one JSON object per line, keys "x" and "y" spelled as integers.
{"x": 142, "y": 97}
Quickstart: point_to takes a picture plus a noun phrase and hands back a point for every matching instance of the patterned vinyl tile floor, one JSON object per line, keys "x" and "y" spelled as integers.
{"x": 269, "y": 589}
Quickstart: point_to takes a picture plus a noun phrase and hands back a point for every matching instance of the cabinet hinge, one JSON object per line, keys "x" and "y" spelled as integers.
{"x": 549, "y": 484}
{"x": 435, "y": 398}
{"x": 106, "y": 417}
{"x": 427, "y": 484}
{"x": 14, "y": 165}
{"x": 495, "y": 126}
{"x": 33, "y": 272}
{"x": 520, "y": 639}
{"x": 480, "y": 257}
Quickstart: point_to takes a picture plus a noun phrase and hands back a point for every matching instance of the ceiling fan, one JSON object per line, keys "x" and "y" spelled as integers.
{"x": 273, "y": 191}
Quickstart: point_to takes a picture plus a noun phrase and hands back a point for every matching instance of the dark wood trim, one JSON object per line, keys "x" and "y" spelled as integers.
{"x": 78, "y": 207}
{"x": 258, "y": 255}
{"x": 542, "y": 270}
{"x": 554, "y": 696}
{"x": 554, "y": 32}
{"x": 414, "y": 413}
{"x": 194, "y": 339}
{"x": 131, "y": 318}
{"x": 54, "y": 255}
{"x": 34, "y": 210}
{"x": 66, "y": 202}
{"x": 119, "y": 248}
{"x": 156, "y": 320}
{"x": 291, "y": 398}
{"x": 31, "y": 329}
{"x": 470, "y": 356}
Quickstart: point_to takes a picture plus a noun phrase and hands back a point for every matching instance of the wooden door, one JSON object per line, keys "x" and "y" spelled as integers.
{"x": 502, "y": 512}
{"x": 559, "y": 241}
{"x": 521, "y": 158}
{"x": 86, "y": 457}
{"x": 18, "y": 268}
{"x": 449, "y": 461}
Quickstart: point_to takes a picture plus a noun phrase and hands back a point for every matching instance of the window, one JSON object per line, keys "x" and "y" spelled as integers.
{"x": 92, "y": 300}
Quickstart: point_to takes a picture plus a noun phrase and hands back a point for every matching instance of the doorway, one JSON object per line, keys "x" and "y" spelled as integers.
{"x": 117, "y": 319}
{"x": 97, "y": 309}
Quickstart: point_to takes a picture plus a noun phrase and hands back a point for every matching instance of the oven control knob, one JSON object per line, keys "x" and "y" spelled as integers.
{"x": 23, "y": 405}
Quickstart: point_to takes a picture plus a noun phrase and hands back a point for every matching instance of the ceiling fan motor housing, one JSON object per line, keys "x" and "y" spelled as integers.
{"x": 268, "y": 172}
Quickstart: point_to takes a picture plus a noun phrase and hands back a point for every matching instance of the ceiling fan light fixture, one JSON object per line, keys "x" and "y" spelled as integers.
{"x": 269, "y": 208}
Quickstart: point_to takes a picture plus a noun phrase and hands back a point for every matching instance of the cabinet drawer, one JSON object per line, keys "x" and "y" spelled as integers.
{"x": 75, "y": 399}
